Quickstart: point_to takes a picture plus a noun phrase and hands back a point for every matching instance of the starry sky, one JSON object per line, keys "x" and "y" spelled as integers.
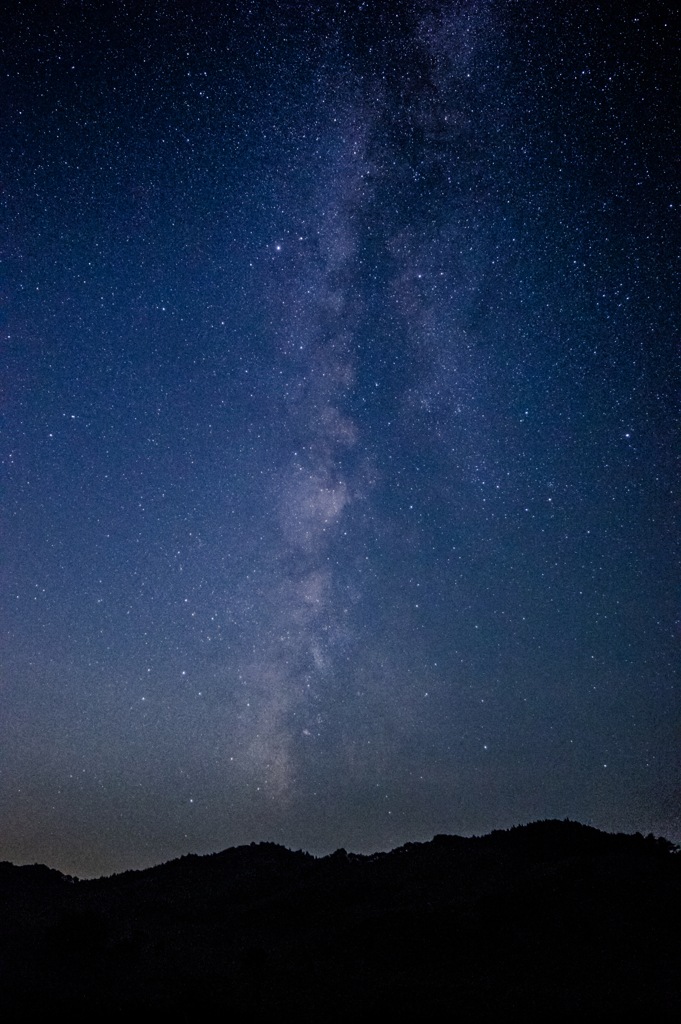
{"x": 339, "y": 417}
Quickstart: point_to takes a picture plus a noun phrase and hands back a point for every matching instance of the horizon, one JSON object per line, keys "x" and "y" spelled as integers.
{"x": 351, "y": 853}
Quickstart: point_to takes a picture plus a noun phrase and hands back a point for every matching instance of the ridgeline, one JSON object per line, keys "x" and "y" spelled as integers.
{"x": 553, "y": 919}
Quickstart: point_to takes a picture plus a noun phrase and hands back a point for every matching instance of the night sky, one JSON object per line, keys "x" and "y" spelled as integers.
{"x": 339, "y": 417}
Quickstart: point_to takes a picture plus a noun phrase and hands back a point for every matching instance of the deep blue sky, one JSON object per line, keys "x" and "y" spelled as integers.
{"x": 339, "y": 423}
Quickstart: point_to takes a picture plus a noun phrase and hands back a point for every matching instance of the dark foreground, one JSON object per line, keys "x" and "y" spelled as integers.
{"x": 552, "y": 920}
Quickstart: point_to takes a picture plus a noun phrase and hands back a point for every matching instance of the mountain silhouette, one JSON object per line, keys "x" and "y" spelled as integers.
{"x": 553, "y": 919}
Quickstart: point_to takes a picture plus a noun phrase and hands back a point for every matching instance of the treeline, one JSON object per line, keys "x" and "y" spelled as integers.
{"x": 554, "y": 919}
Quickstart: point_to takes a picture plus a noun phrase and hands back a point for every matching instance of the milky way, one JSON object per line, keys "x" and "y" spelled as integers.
{"x": 340, "y": 389}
